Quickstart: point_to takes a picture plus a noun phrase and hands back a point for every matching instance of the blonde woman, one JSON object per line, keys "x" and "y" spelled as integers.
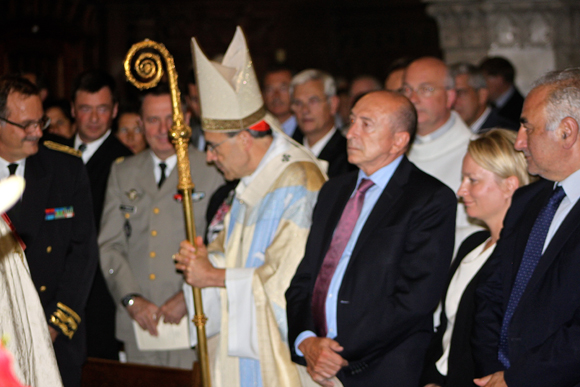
{"x": 492, "y": 171}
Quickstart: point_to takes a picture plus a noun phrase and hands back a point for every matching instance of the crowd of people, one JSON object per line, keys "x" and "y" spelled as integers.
{"x": 420, "y": 231}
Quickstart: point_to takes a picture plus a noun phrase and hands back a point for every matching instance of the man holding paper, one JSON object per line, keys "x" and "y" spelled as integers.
{"x": 142, "y": 223}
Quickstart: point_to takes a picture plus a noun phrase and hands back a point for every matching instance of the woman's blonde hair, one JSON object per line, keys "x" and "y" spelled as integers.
{"x": 495, "y": 152}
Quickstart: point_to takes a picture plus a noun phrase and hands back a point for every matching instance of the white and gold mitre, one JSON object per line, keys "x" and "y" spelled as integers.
{"x": 229, "y": 92}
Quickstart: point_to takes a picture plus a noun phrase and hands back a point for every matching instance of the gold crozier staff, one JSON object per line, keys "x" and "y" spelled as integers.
{"x": 149, "y": 67}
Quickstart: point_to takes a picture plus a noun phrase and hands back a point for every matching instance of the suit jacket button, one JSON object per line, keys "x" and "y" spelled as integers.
{"x": 156, "y": 210}
{"x": 127, "y": 216}
{"x": 152, "y": 254}
{"x": 153, "y": 233}
{"x": 43, "y": 288}
{"x": 49, "y": 249}
{"x": 152, "y": 277}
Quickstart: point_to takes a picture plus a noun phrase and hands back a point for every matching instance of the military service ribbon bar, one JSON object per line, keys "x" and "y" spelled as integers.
{"x": 59, "y": 213}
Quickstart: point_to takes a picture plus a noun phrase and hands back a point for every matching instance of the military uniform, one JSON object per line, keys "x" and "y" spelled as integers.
{"x": 141, "y": 228}
{"x": 55, "y": 221}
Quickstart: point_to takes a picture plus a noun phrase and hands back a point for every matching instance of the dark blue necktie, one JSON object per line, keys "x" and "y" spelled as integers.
{"x": 530, "y": 260}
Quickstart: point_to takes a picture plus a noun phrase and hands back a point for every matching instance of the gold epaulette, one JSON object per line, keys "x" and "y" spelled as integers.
{"x": 63, "y": 148}
{"x": 65, "y": 319}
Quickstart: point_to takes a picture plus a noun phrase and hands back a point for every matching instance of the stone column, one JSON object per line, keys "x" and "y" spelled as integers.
{"x": 536, "y": 36}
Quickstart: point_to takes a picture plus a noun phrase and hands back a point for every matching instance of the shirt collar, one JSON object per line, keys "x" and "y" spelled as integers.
{"x": 91, "y": 146}
{"x": 381, "y": 177}
{"x": 571, "y": 186}
{"x": 320, "y": 144}
{"x": 289, "y": 125}
{"x": 171, "y": 162}
{"x": 4, "y": 173}
{"x": 437, "y": 133}
{"x": 502, "y": 100}
{"x": 479, "y": 122}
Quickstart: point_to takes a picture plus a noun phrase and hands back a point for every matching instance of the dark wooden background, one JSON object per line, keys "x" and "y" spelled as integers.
{"x": 60, "y": 38}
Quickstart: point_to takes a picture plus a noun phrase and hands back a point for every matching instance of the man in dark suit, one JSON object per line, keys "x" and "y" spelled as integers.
{"x": 372, "y": 323}
{"x": 314, "y": 103}
{"x": 527, "y": 330}
{"x": 472, "y": 102}
{"x": 94, "y": 107}
{"x": 54, "y": 219}
{"x": 499, "y": 75}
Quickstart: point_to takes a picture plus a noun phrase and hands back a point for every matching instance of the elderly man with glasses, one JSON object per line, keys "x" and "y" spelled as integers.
{"x": 54, "y": 219}
{"x": 442, "y": 136}
{"x": 315, "y": 103}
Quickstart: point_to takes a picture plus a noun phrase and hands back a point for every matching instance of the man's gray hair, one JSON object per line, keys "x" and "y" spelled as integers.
{"x": 314, "y": 75}
{"x": 449, "y": 80}
{"x": 475, "y": 77}
{"x": 563, "y": 96}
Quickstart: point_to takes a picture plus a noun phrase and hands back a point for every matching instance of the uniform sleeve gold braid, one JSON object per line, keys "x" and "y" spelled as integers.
{"x": 62, "y": 148}
{"x": 66, "y": 319}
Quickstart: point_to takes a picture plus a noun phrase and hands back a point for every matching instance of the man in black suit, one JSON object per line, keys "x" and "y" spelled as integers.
{"x": 314, "y": 103}
{"x": 472, "y": 102}
{"x": 527, "y": 330}
{"x": 54, "y": 219}
{"x": 499, "y": 75}
{"x": 94, "y": 107}
{"x": 375, "y": 319}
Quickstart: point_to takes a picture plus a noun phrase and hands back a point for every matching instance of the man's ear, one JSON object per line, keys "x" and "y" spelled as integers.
{"x": 246, "y": 139}
{"x": 72, "y": 109}
{"x": 451, "y": 97}
{"x": 568, "y": 132}
{"x": 115, "y": 110}
{"x": 483, "y": 96}
{"x": 401, "y": 141}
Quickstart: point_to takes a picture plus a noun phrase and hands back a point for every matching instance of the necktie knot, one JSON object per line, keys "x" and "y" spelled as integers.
{"x": 82, "y": 147}
{"x": 557, "y": 196}
{"x": 12, "y": 168}
{"x": 364, "y": 186}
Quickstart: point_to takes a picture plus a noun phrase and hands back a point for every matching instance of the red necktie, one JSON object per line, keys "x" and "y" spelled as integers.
{"x": 339, "y": 241}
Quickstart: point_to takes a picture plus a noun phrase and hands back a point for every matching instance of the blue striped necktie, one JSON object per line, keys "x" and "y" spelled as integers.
{"x": 532, "y": 255}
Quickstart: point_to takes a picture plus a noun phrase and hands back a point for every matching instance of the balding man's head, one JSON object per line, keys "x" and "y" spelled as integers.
{"x": 430, "y": 88}
{"x": 382, "y": 126}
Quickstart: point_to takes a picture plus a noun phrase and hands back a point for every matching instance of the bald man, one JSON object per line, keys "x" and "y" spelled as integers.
{"x": 360, "y": 305}
{"x": 442, "y": 136}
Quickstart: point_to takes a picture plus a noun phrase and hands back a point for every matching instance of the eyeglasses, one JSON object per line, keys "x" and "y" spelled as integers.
{"x": 422, "y": 91}
{"x": 135, "y": 130}
{"x": 30, "y": 126}
{"x": 312, "y": 103}
{"x": 212, "y": 147}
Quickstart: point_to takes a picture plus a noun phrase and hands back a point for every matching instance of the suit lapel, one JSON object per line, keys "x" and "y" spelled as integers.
{"x": 531, "y": 211}
{"x": 100, "y": 154}
{"x": 331, "y": 148}
{"x": 34, "y": 201}
{"x": 382, "y": 208}
{"x": 146, "y": 178}
{"x": 343, "y": 195}
{"x": 568, "y": 228}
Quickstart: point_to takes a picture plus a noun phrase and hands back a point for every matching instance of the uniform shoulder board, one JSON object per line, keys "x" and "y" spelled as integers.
{"x": 119, "y": 160}
{"x": 62, "y": 148}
